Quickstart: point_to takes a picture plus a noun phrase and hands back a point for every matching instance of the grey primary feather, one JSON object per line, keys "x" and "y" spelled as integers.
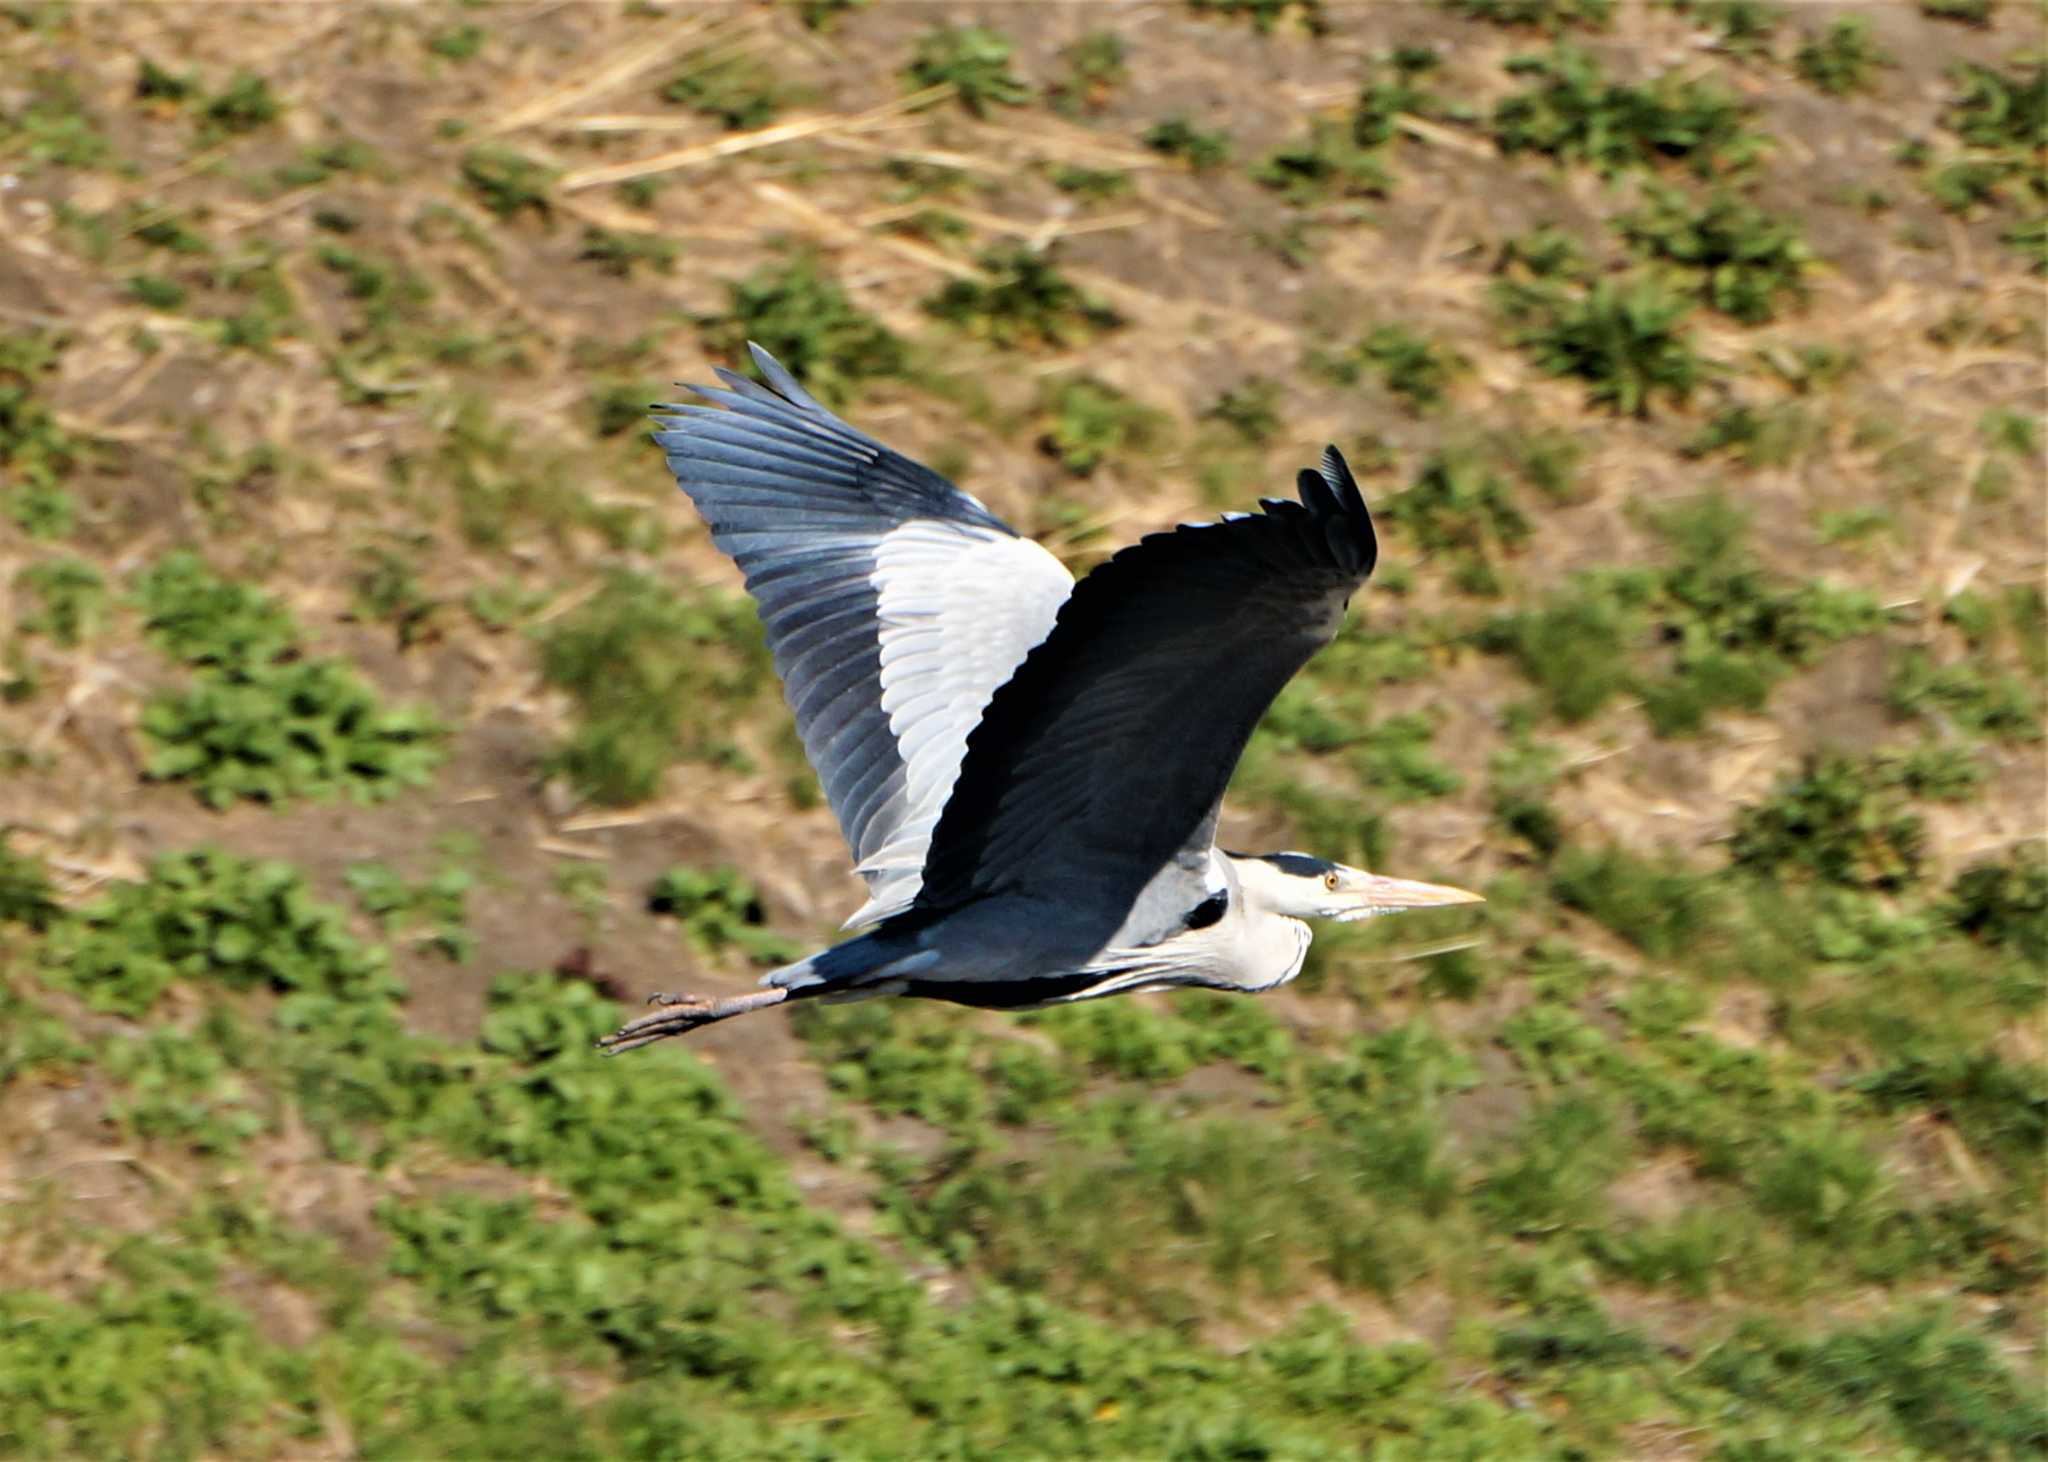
{"x": 894, "y": 603}
{"x": 1101, "y": 762}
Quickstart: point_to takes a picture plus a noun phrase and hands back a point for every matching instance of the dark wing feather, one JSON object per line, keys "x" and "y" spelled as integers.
{"x": 1104, "y": 757}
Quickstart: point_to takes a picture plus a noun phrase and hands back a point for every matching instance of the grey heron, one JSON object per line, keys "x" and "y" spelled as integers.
{"x": 1027, "y": 769}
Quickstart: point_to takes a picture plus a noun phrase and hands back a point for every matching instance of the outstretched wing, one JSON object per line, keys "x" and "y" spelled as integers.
{"x": 894, "y": 603}
{"x": 1102, "y": 761}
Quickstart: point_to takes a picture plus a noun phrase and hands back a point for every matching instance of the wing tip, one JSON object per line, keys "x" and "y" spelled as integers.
{"x": 1331, "y": 493}
{"x": 779, "y": 378}
{"x": 1329, "y": 488}
{"x": 777, "y": 386}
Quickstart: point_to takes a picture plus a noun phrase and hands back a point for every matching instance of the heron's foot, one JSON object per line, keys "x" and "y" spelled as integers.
{"x": 679, "y": 1014}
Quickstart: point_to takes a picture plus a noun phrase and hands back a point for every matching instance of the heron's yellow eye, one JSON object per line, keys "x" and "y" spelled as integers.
{"x": 1330, "y": 881}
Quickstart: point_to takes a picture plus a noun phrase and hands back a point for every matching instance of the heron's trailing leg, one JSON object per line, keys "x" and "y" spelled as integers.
{"x": 682, "y": 1013}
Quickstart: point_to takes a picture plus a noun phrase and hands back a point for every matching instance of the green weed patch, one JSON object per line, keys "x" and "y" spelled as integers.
{"x": 719, "y": 910}
{"x": 1022, "y": 300}
{"x": 800, "y": 315}
{"x": 207, "y": 915}
{"x": 254, "y": 724}
{"x": 1091, "y": 422}
{"x": 1627, "y": 341}
{"x": 1737, "y": 258}
{"x": 1731, "y": 631}
{"x": 974, "y": 60}
{"x": 655, "y": 678}
{"x": 1572, "y": 111}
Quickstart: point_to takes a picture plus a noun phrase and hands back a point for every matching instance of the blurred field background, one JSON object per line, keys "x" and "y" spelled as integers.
{"x": 379, "y": 723}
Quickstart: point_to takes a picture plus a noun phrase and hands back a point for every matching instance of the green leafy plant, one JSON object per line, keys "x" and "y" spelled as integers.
{"x": 54, "y": 126}
{"x": 719, "y": 910}
{"x": 1461, "y": 505}
{"x": 2003, "y": 111}
{"x": 1326, "y": 163}
{"x": 1941, "y": 1387}
{"x": 243, "y": 105}
{"x": 1941, "y": 771}
{"x": 335, "y": 157}
{"x": 156, "y": 291}
{"x": 1757, "y": 436}
{"x": 974, "y": 60}
{"x": 655, "y": 678}
{"x": 1267, "y": 15}
{"x": 25, "y": 895}
{"x": 802, "y": 316}
{"x": 1744, "y": 29}
{"x": 506, "y": 182}
{"x": 2000, "y": 117}
{"x": 1842, "y": 58}
{"x": 71, "y": 596}
{"x": 184, "y": 1089}
{"x": 1411, "y": 365}
{"x": 438, "y": 906}
{"x": 1842, "y": 821}
{"x": 1550, "y": 16}
{"x": 310, "y": 728}
{"x": 1395, "y": 757}
{"x": 1733, "y": 631}
{"x": 1659, "y": 905}
{"x": 504, "y": 484}
{"x": 209, "y": 915}
{"x": 198, "y": 617}
{"x": 1093, "y": 185}
{"x": 1737, "y": 258}
{"x": 1626, "y": 340}
{"x": 1394, "y": 87}
{"x": 457, "y": 42}
{"x": 740, "y": 91}
{"x": 822, "y": 15}
{"x": 1095, "y": 71}
{"x": 1574, "y": 644}
{"x": 1545, "y": 252}
{"x": 253, "y": 724}
{"x": 1021, "y": 299}
{"x": 1092, "y": 422}
{"x": 1972, "y": 695}
{"x": 1728, "y": 631}
{"x": 1202, "y": 149}
{"x": 618, "y": 406}
{"x": 1522, "y": 775}
{"x": 587, "y": 887}
{"x": 160, "y": 84}
{"x": 1964, "y": 12}
{"x": 387, "y": 588}
{"x": 1250, "y": 410}
{"x": 1571, "y": 111}
{"x": 36, "y": 453}
{"x": 2004, "y": 903}
{"x": 262, "y": 310}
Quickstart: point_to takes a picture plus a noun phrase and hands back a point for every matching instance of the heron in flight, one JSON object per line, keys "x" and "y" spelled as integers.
{"x": 1027, "y": 769}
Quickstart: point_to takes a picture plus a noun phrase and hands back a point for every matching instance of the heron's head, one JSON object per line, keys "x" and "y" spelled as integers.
{"x": 1302, "y": 887}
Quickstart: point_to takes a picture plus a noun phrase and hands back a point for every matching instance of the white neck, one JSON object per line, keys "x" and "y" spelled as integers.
{"x": 1266, "y": 890}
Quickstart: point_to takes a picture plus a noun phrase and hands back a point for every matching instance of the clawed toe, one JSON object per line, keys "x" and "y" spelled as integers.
{"x": 677, "y": 1014}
